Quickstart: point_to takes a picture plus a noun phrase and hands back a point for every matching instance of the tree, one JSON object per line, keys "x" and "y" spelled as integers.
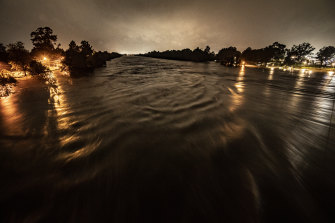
{"x": 278, "y": 51}
{"x": 299, "y": 52}
{"x": 73, "y": 46}
{"x": 326, "y": 53}
{"x": 86, "y": 48}
{"x": 18, "y": 55}
{"x": 275, "y": 53}
{"x": 36, "y": 68}
{"x": 257, "y": 55}
{"x": 73, "y": 58}
{"x": 59, "y": 50}
{"x": 3, "y": 53}
{"x": 43, "y": 40}
{"x": 80, "y": 60}
{"x": 196, "y": 55}
{"x": 246, "y": 54}
{"x": 229, "y": 56}
{"x": 207, "y": 50}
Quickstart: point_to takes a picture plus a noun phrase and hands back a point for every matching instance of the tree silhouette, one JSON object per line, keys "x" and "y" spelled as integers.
{"x": 274, "y": 53}
{"x": 86, "y": 48}
{"x": 73, "y": 59}
{"x": 197, "y": 55}
{"x": 229, "y": 56}
{"x": 73, "y": 47}
{"x": 298, "y": 53}
{"x": 207, "y": 50}
{"x": 43, "y": 40}
{"x": 81, "y": 60}
{"x": 278, "y": 51}
{"x": 326, "y": 53}
{"x": 59, "y": 50}
{"x": 255, "y": 55}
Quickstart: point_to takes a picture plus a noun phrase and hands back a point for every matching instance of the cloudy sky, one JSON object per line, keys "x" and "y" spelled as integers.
{"x": 132, "y": 26}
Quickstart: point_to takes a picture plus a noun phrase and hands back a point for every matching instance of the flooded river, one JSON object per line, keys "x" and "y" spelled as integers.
{"x": 149, "y": 140}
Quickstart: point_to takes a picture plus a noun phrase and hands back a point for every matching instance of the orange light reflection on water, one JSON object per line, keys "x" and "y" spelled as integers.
{"x": 270, "y": 77}
{"x": 11, "y": 116}
{"x": 237, "y": 97}
{"x": 239, "y": 84}
{"x": 58, "y": 102}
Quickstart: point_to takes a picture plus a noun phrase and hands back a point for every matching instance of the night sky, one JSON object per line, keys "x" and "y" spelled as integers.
{"x": 132, "y": 26}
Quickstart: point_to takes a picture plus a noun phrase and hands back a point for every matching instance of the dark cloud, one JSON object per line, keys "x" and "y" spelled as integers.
{"x": 143, "y": 25}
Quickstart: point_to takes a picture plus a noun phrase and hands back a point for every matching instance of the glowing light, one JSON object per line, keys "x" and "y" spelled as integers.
{"x": 44, "y": 58}
{"x": 242, "y": 71}
{"x": 330, "y": 72}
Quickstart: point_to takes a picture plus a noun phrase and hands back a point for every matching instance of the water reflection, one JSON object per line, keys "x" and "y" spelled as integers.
{"x": 10, "y": 117}
{"x": 237, "y": 97}
{"x": 57, "y": 101}
{"x": 270, "y": 77}
{"x": 296, "y": 98}
{"x": 239, "y": 85}
{"x": 323, "y": 105}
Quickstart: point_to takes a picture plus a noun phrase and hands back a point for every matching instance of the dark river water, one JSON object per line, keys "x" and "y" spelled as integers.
{"x": 149, "y": 140}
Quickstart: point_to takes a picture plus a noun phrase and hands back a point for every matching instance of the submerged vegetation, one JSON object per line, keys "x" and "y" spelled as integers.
{"x": 6, "y": 79}
{"x": 82, "y": 59}
{"x": 46, "y": 56}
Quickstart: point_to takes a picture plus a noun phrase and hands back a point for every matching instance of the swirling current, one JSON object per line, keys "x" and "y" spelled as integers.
{"x": 150, "y": 140}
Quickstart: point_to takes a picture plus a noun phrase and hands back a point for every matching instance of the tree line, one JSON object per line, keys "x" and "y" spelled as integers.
{"x": 82, "y": 59}
{"x": 196, "y": 55}
{"x": 78, "y": 59}
{"x": 276, "y": 54}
